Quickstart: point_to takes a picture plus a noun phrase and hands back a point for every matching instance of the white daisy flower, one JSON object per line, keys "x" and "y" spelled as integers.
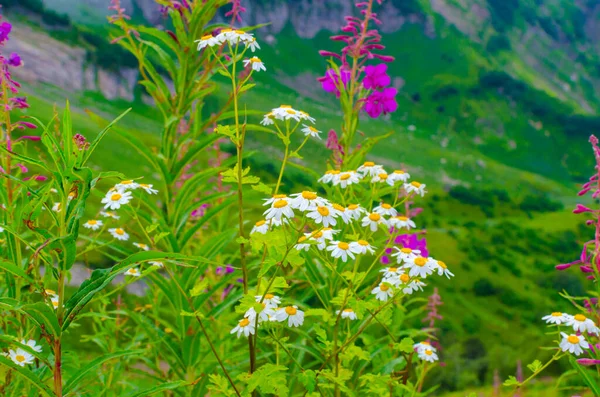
{"x": 274, "y": 198}
{"x": 405, "y": 254}
{"x": 580, "y": 323}
{"x": 329, "y": 176}
{"x": 371, "y": 169}
{"x": 256, "y": 63}
{"x": 1, "y": 229}
{"x": 399, "y": 175}
{"x": 31, "y": 343}
{"x": 302, "y": 245}
{"x": 393, "y": 274}
{"x": 355, "y": 211}
{"x": 341, "y": 212}
{"x": 156, "y": 263}
{"x": 56, "y": 207}
{"x": 21, "y": 357}
{"x": 385, "y": 209}
{"x": 142, "y": 246}
{"x": 322, "y": 215}
{"x": 294, "y": 316}
{"x": 133, "y": 271}
{"x": 328, "y": 233}
{"x": 93, "y": 224}
{"x": 286, "y": 112}
{"x": 264, "y": 315}
{"x": 361, "y": 247}
{"x": 280, "y": 208}
{"x": 347, "y": 313}
{"x": 51, "y": 293}
{"x": 148, "y": 188}
{"x": 252, "y": 44}
{"x": 413, "y": 286}
{"x": 268, "y": 119}
{"x": 312, "y": 131}
{"x": 417, "y": 187}
{"x": 373, "y": 220}
{"x": 441, "y": 268}
{"x": 319, "y": 237}
{"x": 245, "y": 326}
{"x": 419, "y": 267}
{"x": 382, "y": 178}
{"x": 126, "y": 185}
{"x": 54, "y": 301}
{"x": 573, "y": 343}
{"x": 114, "y": 200}
{"x": 306, "y": 200}
{"x": 400, "y": 222}
{"x": 428, "y": 355}
{"x": 71, "y": 196}
{"x": 207, "y": 41}
{"x": 306, "y": 116}
{"x": 557, "y": 318}
{"x": 346, "y": 178}
{"x": 119, "y": 234}
{"x": 109, "y": 214}
{"x": 383, "y": 292}
{"x": 340, "y": 249}
{"x": 422, "y": 346}
{"x": 272, "y": 301}
{"x": 261, "y": 227}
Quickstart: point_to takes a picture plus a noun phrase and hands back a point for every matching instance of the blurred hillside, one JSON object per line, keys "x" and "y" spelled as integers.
{"x": 497, "y": 101}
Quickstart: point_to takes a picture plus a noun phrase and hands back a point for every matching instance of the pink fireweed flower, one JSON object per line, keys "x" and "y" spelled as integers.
{"x": 376, "y": 77}
{"x": 332, "y": 81}
{"x": 581, "y": 209}
{"x": 381, "y": 102}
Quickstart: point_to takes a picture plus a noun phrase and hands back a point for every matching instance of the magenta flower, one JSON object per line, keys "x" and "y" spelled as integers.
{"x": 381, "y": 102}
{"x": 581, "y": 208}
{"x": 331, "y": 81}
{"x": 15, "y": 60}
{"x": 5, "y": 28}
{"x": 376, "y": 77}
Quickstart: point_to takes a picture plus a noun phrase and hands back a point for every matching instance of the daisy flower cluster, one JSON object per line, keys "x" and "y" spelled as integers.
{"x": 287, "y": 113}
{"x": 233, "y": 38}
{"x": 573, "y": 342}
{"x": 271, "y": 312}
{"x": 20, "y": 356}
{"x": 426, "y": 352}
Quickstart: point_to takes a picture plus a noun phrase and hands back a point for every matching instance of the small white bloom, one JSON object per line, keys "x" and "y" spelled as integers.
{"x": 399, "y": 175}
{"x": 21, "y": 357}
{"x": 245, "y": 326}
{"x": 114, "y": 200}
{"x": 54, "y": 301}
{"x": 417, "y": 187}
{"x": 109, "y": 214}
{"x": 286, "y": 112}
{"x": 385, "y": 209}
{"x": 126, "y": 185}
{"x": 428, "y": 355}
{"x": 441, "y": 268}
{"x": 31, "y": 343}
{"x": 340, "y": 211}
{"x": 156, "y": 263}
{"x": 302, "y": 245}
{"x": 347, "y": 313}
{"x": 312, "y": 131}
{"x": 93, "y": 224}
{"x": 355, "y": 211}
{"x": 405, "y": 254}
{"x": 272, "y": 301}
{"x": 274, "y": 198}
{"x": 373, "y": 220}
{"x": 323, "y": 215}
{"x": 382, "y": 178}
{"x": 580, "y": 323}
{"x": 264, "y": 315}
{"x": 371, "y": 169}
{"x": 256, "y": 63}
{"x": 71, "y": 196}
{"x": 419, "y": 267}
{"x": 142, "y": 246}
{"x": 148, "y": 188}
{"x": 280, "y": 208}
{"x": 573, "y": 343}
{"x": 557, "y": 318}
{"x": 306, "y": 200}
{"x": 268, "y": 119}
{"x": 119, "y": 234}
{"x": 329, "y": 176}
{"x": 207, "y": 41}
{"x": 422, "y": 346}
{"x": 294, "y": 316}
{"x": 133, "y": 271}
{"x": 261, "y": 227}
{"x": 328, "y": 233}
{"x": 346, "y": 178}
{"x": 392, "y": 274}
{"x": 400, "y": 222}
{"x": 252, "y": 44}
{"x": 361, "y": 247}
{"x": 1, "y": 229}
{"x": 56, "y": 207}
{"x": 383, "y": 291}
{"x": 413, "y": 286}
{"x": 340, "y": 249}
{"x": 306, "y": 116}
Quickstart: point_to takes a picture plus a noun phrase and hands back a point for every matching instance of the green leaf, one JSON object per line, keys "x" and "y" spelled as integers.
{"x": 242, "y": 240}
{"x": 14, "y": 270}
{"x": 30, "y": 376}
{"x": 43, "y": 316}
{"x": 159, "y": 388}
{"x": 101, "y": 135}
{"x": 269, "y": 378}
{"x": 200, "y": 287}
{"x": 74, "y": 380}
{"x": 405, "y": 345}
{"x": 511, "y": 381}
{"x": 535, "y": 366}
{"x": 309, "y": 379}
{"x": 245, "y": 87}
{"x": 262, "y": 188}
{"x": 220, "y": 386}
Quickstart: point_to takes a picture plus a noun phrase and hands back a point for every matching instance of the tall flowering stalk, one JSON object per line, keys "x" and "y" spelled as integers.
{"x": 357, "y": 84}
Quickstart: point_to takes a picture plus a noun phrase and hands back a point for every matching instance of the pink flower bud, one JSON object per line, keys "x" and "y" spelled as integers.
{"x": 587, "y": 361}
{"x": 563, "y": 266}
{"x": 581, "y": 209}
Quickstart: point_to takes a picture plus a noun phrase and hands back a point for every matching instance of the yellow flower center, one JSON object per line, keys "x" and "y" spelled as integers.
{"x": 312, "y": 129}
{"x": 339, "y": 208}
{"x": 442, "y": 265}
{"x": 206, "y": 37}
{"x": 120, "y": 231}
{"x": 279, "y": 196}
{"x": 416, "y": 184}
{"x": 344, "y": 246}
{"x": 383, "y": 287}
{"x": 269, "y": 296}
{"x": 226, "y": 30}
{"x": 291, "y": 310}
{"x": 400, "y": 172}
{"x": 260, "y": 223}
{"x": 55, "y": 303}
{"x": 254, "y": 59}
{"x": 374, "y": 217}
{"x": 20, "y": 358}
{"x": 244, "y": 322}
{"x": 557, "y": 314}
{"x": 335, "y": 172}
{"x": 402, "y": 218}
{"x": 116, "y": 197}
{"x": 280, "y": 204}
{"x": 353, "y": 207}
{"x": 364, "y": 243}
{"x": 428, "y": 352}
{"x": 240, "y": 32}
{"x": 318, "y": 235}
{"x": 404, "y": 278}
{"x": 426, "y": 343}
{"x": 309, "y": 195}
{"x": 392, "y": 269}
{"x": 127, "y": 182}
{"x": 323, "y": 211}
{"x": 420, "y": 261}
{"x": 345, "y": 177}
{"x": 92, "y": 222}
{"x": 290, "y": 111}
{"x": 580, "y": 317}
{"x": 368, "y": 164}
{"x": 285, "y": 106}
{"x": 386, "y": 206}
{"x": 301, "y": 239}
{"x": 406, "y": 250}
{"x": 573, "y": 339}
{"x": 348, "y": 310}
{"x": 145, "y": 185}
{"x": 383, "y": 177}
{"x": 50, "y": 292}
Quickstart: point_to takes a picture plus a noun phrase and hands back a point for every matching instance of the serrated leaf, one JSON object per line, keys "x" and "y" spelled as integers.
{"x": 405, "y": 345}
{"x": 262, "y": 188}
{"x": 30, "y": 376}
{"x": 309, "y": 379}
{"x": 535, "y": 366}
{"x": 511, "y": 381}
